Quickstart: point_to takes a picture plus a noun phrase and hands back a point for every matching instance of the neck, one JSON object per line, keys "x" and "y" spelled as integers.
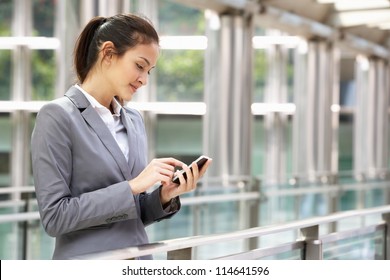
{"x": 100, "y": 92}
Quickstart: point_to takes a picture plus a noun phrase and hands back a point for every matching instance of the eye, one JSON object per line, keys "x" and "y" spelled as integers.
{"x": 139, "y": 66}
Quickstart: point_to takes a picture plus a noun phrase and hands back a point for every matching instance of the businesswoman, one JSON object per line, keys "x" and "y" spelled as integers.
{"x": 89, "y": 153}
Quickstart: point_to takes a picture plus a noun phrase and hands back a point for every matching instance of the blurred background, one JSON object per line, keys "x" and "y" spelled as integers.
{"x": 290, "y": 99}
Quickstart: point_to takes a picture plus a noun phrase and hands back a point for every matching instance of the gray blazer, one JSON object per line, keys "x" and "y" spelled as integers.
{"x": 81, "y": 179}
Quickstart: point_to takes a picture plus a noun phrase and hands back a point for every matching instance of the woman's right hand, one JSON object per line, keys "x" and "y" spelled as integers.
{"x": 158, "y": 170}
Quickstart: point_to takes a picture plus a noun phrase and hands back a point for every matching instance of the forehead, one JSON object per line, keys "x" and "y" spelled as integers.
{"x": 146, "y": 52}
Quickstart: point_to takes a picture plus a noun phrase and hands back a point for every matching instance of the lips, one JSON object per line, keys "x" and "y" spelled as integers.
{"x": 133, "y": 87}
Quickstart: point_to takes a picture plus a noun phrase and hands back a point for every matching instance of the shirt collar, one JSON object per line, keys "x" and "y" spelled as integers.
{"x": 116, "y": 106}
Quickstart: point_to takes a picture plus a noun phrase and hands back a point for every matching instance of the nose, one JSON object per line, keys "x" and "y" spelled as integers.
{"x": 143, "y": 79}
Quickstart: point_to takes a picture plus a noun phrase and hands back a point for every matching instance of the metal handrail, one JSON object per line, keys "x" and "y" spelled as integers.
{"x": 178, "y": 245}
{"x": 19, "y": 217}
{"x": 204, "y": 199}
{"x": 21, "y": 189}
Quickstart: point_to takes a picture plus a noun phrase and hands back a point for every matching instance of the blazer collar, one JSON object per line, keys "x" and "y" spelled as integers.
{"x": 77, "y": 98}
{"x": 93, "y": 119}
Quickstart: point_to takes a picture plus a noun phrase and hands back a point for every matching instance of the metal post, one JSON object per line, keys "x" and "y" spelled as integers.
{"x": 313, "y": 248}
{"x": 21, "y": 92}
{"x": 253, "y": 214}
{"x": 228, "y": 95}
{"x": 333, "y": 200}
{"x": 181, "y": 254}
{"x": 276, "y": 123}
{"x": 386, "y": 247}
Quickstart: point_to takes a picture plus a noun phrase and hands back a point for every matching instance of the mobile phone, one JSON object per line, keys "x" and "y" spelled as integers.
{"x": 200, "y": 162}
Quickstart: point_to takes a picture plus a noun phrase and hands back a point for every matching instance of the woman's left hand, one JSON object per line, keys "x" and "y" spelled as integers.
{"x": 173, "y": 190}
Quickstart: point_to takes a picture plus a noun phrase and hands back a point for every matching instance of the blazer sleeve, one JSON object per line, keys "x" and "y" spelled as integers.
{"x": 51, "y": 149}
{"x": 152, "y": 210}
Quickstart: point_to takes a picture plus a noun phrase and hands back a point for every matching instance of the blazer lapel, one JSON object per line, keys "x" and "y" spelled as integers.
{"x": 101, "y": 130}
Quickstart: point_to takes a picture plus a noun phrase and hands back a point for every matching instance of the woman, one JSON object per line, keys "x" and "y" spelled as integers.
{"x": 89, "y": 152}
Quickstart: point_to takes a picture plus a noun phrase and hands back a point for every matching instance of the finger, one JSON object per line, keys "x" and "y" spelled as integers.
{"x": 172, "y": 161}
{"x": 161, "y": 164}
{"x": 190, "y": 177}
{"x": 195, "y": 171}
{"x": 204, "y": 167}
{"x": 182, "y": 181}
{"x": 166, "y": 169}
{"x": 165, "y": 180}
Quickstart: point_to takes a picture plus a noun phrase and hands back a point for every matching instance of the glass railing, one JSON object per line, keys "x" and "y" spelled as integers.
{"x": 219, "y": 206}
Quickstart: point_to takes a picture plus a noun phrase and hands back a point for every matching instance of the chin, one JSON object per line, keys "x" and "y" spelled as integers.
{"x": 127, "y": 98}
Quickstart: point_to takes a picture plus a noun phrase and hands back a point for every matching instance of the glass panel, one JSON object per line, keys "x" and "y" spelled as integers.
{"x": 5, "y": 150}
{"x": 40, "y": 244}
{"x": 134, "y": 6}
{"x": 220, "y": 249}
{"x": 277, "y": 239}
{"x": 291, "y": 255}
{"x": 289, "y": 145}
{"x": 180, "y": 75}
{"x": 347, "y": 82}
{"x": 290, "y": 75}
{"x": 347, "y": 93}
{"x": 5, "y": 77}
{"x": 44, "y": 17}
{"x": 11, "y": 237}
{"x": 15, "y": 236}
{"x": 345, "y": 139}
{"x": 366, "y": 247}
{"x": 202, "y": 219}
{"x": 260, "y": 68}
{"x": 374, "y": 197}
{"x": 43, "y": 74}
{"x": 179, "y": 137}
{"x": 6, "y": 12}
{"x": 312, "y": 205}
{"x": 176, "y": 19}
{"x": 258, "y": 149}
{"x": 347, "y": 100}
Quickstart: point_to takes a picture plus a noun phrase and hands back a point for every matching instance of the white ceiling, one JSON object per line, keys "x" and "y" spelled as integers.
{"x": 361, "y": 25}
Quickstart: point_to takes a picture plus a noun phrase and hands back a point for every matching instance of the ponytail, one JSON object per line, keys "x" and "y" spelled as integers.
{"x": 86, "y": 50}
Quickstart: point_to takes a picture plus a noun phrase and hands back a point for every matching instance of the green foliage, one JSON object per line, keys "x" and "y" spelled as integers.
{"x": 44, "y": 12}
{"x": 43, "y": 74}
{"x": 260, "y": 68}
{"x": 176, "y": 19}
{"x": 180, "y": 72}
{"x": 6, "y": 11}
{"x": 180, "y": 75}
{"x": 5, "y": 78}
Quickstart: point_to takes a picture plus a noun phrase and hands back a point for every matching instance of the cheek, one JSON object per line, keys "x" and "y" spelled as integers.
{"x": 129, "y": 73}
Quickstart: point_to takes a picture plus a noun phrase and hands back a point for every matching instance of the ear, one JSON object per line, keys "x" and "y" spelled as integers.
{"x": 107, "y": 51}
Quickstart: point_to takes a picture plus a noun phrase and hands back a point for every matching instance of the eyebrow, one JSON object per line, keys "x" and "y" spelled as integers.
{"x": 147, "y": 61}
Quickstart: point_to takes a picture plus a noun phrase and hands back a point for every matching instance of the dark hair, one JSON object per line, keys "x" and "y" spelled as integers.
{"x": 124, "y": 30}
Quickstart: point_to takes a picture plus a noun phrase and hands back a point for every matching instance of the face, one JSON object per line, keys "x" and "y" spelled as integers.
{"x": 130, "y": 71}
